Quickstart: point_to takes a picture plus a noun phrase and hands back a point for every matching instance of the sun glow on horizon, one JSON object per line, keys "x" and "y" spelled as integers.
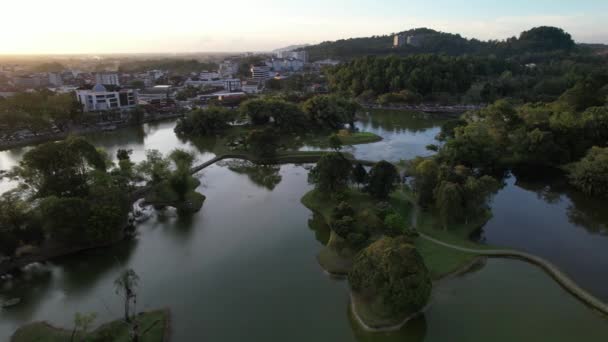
{"x": 118, "y": 26}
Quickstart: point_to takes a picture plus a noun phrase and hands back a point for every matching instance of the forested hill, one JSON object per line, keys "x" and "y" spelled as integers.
{"x": 537, "y": 40}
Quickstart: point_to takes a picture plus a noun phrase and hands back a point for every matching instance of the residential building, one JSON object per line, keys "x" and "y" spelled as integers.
{"x": 159, "y": 93}
{"x": 107, "y": 78}
{"x": 228, "y": 69}
{"x": 300, "y": 55}
{"x": 233, "y": 84}
{"x": 252, "y": 87}
{"x": 260, "y": 72}
{"x": 99, "y": 98}
{"x": 28, "y": 82}
{"x": 55, "y": 79}
{"x": 285, "y": 64}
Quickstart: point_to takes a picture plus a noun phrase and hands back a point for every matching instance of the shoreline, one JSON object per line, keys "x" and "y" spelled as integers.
{"x": 7, "y": 145}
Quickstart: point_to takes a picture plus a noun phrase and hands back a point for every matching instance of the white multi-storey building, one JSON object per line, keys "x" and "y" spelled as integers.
{"x": 100, "y": 99}
{"x": 107, "y": 78}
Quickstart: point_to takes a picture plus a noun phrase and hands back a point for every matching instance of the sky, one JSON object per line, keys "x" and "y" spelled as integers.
{"x": 173, "y": 26}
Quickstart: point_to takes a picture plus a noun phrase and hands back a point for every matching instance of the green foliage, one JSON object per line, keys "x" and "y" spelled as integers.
{"x": 37, "y": 110}
{"x": 331, "y": 174}
{"x": 263, "y": 143}
{"x": 381, "y": 179}
{"x": 335, "y": 143}
{"x": 286, "y": 116}
{"x": 330, "y": 111}
{"x": 393, "y": 273}
{"x": 60, "y": 168}
{"x": 155, "y": 168}
{"x": 204, "y": 121}
{"x": 341, "y": 210}
{"x": 343, "y": 226}
{"x": 544, "y": 38}
{"x": 359, "y": 174}
{"x": 590, "y": 174}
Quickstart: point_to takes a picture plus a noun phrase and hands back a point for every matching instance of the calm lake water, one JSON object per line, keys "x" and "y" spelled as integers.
{"x": 244, "y": 268}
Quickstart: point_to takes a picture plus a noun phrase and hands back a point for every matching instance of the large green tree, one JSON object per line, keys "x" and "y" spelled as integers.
{"x": 382, "y": 180}
{"x": 392, "y": 273}
{"x": 331, "y": 174}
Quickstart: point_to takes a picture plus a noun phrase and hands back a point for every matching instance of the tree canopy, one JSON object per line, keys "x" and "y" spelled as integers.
{"x": 392, "y": 272}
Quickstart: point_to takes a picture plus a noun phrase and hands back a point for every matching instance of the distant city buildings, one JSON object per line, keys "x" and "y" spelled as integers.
{"x": 107, "y": 78}
{"x": 99, "y": 98}
{"x": 300, "y": 55}
{"x": 55, "y": 79}
{"x": 233, "y": 84}
{"x": 228, "y": 69}
{"x": 260, "y": 72}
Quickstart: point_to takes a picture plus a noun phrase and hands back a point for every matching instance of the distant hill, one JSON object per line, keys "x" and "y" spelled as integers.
{"x": 291, "y": 48}
{"x": 425, "y": 40}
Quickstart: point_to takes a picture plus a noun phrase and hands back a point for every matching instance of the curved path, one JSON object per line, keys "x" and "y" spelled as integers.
{"x": 288, "y": 158}
{"x": 566, "y": 282}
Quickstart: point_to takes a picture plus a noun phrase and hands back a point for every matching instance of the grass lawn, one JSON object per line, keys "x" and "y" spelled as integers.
{"x": 359, "y": 138}
{"x": 115, "y": 331}
{"x": 440, "y": 260}
{"x": 337, "y": 256}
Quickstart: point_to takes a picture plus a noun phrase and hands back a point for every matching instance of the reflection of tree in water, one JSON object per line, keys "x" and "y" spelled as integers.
{"x": 413, "y": 331}
{"x": 399, "y": 121}
{"x": 83, "y": 271}
{"x": 589, "y": 213}
{"x": 318, "y": 225}
{"x": 266, "y": 176}
{"x": 583, "y": 211}
{"x": 112, "y": 141}
{"x": 206, "y": 144}
{"x": 79, "y": 274}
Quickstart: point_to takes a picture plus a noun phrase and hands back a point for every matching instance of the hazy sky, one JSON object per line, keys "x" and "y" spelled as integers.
{"x": 105, "y": 26}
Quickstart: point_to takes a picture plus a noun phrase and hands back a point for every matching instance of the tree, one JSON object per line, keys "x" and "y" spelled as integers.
{"x": 393, "y": 273}
{"x": 449, "y": 202}
{"x": 256, "y": 110}
{"x": 204, "y": 121}
{"x": 590, "y": 174}
{"x": 155, "y": 168}
{"x": 335, "y": 143}
{"x": 477, "y": 193}
{"x": 264, "y": 142}
{"x": 381, "y": 180}
{"x": 60, "y": 168}
{"x": 425, "y": 173}
{"x": 330, "y": 111}
{"x": 360, "y": 174}
{"x": 341, "y": 210}
{"x": 126, "y": 285}
{"x": 331, "y": 174}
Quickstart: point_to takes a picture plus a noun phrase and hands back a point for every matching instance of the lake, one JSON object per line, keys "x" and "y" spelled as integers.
{"x": 245, "y": 268}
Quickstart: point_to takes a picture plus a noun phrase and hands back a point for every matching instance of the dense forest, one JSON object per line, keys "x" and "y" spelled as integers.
{"x": 547, "y": 64}
{"x": 537, "y": 40}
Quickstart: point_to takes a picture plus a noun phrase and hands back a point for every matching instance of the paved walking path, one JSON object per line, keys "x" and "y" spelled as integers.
{"x": 565, "y": 281}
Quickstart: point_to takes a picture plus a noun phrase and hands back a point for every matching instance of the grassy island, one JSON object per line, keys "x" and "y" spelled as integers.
{"x": 156, "y": 323}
